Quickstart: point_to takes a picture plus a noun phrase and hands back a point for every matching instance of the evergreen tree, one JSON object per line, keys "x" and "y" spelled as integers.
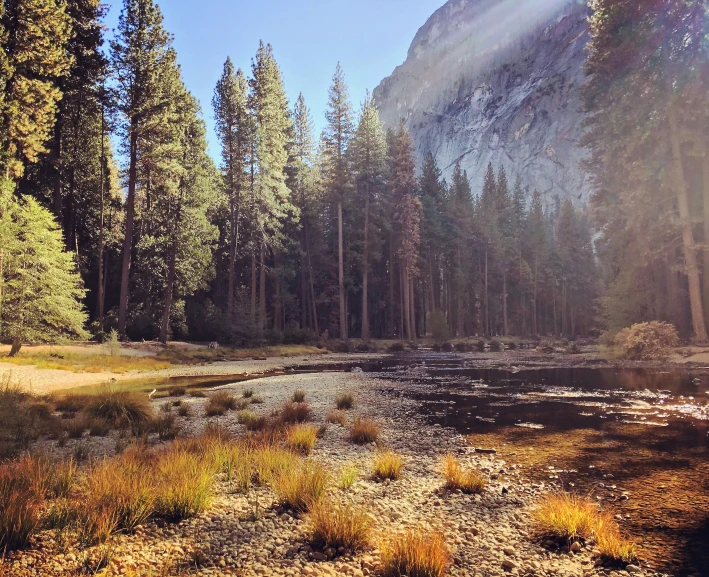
{"x": 368, "y": 155}
{"x": 338, "y": 177}
{"x": 141, "y": 58}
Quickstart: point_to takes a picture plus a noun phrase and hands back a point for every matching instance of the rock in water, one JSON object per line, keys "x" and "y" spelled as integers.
{"x": 497, "y": 81}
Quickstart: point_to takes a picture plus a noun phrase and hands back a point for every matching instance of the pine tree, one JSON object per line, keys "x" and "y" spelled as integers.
{"x": 35, "y": 36}
{"x": 141, "y": 56}
{"x": 368, "y": 154}
{"x": 41, "y": 289}
{"x": 234, "y": 127}
{"x": 338, "y": 175}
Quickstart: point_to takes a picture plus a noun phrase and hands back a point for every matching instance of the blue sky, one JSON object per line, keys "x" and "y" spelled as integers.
{"x": 369, "y": 37}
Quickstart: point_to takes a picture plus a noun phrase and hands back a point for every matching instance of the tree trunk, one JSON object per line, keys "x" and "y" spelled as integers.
{"x": 232, "y": 260}
{"x": 262, "y": 290}
{"x": 312, "y": 285}
{"x": 406, "y": 308}
{"x": 487, "y": 302}
{"x": 535, "y": 325}
{"x": 341, "y": 272}
{"x": 705, "y": 196}
{"x": 690, "y": 255}
{"x": 504, "y": 303}
{"x": 365, "y": 271}
{"x": 304, "y": 298}
{"x": 57, "y": 184}
{"x": 253, "y": 287}
{"x": 128, "y": 238}
{"x": 16, "y": 345}
{"x": 99, "y": 295}
{"x": 167, "y": 299}
{"x": 412, "y": 305}
{"x": 390, "y": 315}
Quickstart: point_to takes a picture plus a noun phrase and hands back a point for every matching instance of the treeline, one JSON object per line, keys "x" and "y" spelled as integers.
{"x": 290, "y": 237}
{"x": 648, "y": 121}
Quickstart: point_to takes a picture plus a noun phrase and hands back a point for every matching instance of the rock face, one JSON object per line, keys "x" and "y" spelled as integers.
{"x": 497, "y": 81}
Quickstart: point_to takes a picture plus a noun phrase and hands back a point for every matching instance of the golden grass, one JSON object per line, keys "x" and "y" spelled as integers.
{"x": 299, "y": 396}
{"x": 270, "y": 462}
{"x": 459, "y": 478}
{"x": 220, "y": 403}
{"x": 415, "y": 553}
{"x": 183, "y": 356}
{"x": 87, "y": 363}
{"x": 291, "y": 413}
{"x": 22, "y": 497}
{"x": 348, "y": 476}
{"x": 334, "y": 525}
{"x": 570, "y": 517}
{"x": 336, "y": 417}
{"x": 566, "y": 516}
{"x": 364, "y": 431}
{"x": 302, "y": 487}
{"x": 388, "y": 465}
{"x": 344, "y": 401}
{"x": 184, "y": 487}
{"x": 301, "y": 438}
{"x": 120, "y": 408}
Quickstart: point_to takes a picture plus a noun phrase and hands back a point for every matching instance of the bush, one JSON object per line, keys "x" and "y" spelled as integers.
{"x": 185, "y": 484}
{"x": 463, "y": 347}
{"x": 183, "y": 411}
{"x": 120, "y": 408}
{"x": 364, "y": 431}
{"x": 247, "y": 393}
{"x": 439, "y": 326}
{"x": 292, "y": 413}
{"x": 388, "y": 465}
{"x": 344, "y": 401}
{"x": 301, "y": 488}
{"x": 339, "y": 526}
{"x": 251, "y": 421}
{"x": 480, "y": 345}
{"x": 298, "y": 396}
{"x": 177, "y": 391}
{"x": 166, "y": 427}
{"x": 457, "y": 478}
{"x": 336, "y": 417}
{"x": 496, "y": 346}
{"x": 416, "y": 553}
{"x": 301, "y": 438}
{"x": 447, "y": 347}
{"x": 652, "y": 340}
{"x": 220, "y": 403}
{"x": 348, "y": 476}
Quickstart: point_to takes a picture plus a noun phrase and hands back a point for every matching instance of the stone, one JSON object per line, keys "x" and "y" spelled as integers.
{"x": 633, "y": 569}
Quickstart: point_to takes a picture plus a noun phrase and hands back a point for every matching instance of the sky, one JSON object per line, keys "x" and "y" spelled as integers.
{"x": 368, "y": 37}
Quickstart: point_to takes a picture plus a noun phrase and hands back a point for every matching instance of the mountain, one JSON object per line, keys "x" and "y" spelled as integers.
{"x": 497, "y": 81}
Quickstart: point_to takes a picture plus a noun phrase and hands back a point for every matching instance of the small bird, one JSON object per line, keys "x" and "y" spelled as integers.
{"x": 150, "y": 396}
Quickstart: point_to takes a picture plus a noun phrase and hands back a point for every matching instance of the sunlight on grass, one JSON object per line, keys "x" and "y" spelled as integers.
{"x": 87, "y": 363}
{"x": 416, "y": 553}
{"x": 183, "y": 356}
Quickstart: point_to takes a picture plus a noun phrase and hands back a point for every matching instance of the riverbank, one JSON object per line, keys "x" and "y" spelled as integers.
{"x": 250, "y": 534}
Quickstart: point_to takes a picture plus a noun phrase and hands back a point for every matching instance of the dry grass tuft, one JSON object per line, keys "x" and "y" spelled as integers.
{"x": 270, "y": 462}
{"x": 566, "y": 516}
{"x": 336, "y": 526}
{"x": 220, "y": 403}
{"x": 336, "y": 417}
{"x": 344, "y": 401}
{"x": 120, "y": 408}
{"x": 459, "y": 478}
{"x": 302, "y": 487}
{"x": 302, "y": 438}
{"x": 364, "y": 431}
{"x": 22, "y": 497}
{"x": 388, "y": 465}
{"x": 292, "y": 413}
{"x": 415, "y": 554}
{"x": 252, "y": 421}
{"x": 87, "y": 362}
{"x": 299, "y": 396}
{"x": 348, "y": 476}
{"x": 610, "y": 542}
{"x": 185, "y": 484}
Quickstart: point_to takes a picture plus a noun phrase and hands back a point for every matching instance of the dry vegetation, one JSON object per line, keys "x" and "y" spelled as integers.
{"x": 364, "y": 431}
{"x": 646, "y": 341}
{"x": 336, "y": 417}
{"x": 388, "y": 465}
{"x": 302, "y": 438}
{"x": 334, "y": 525}
{"x": 184, "y": 356}
{"x": 344, "y": 401}
{"x": 87, "y": 362}
{"x": 416, "y": 553}
{"x": 571, "y": 517}
{"x": 460, "y": 479}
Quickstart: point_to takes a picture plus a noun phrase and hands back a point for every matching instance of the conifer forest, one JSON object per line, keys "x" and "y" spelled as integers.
{"x": 114, "y": 215}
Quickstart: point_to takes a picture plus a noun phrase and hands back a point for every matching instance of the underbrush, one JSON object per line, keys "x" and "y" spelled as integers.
{"x": 571, "y": 518}
{"x": 337, "y": 526}
{"x": 415, "y": 553}
{"x": 646, "y": 341}
{"x": 460, "y": 479}
{"x": 184, "y": 356}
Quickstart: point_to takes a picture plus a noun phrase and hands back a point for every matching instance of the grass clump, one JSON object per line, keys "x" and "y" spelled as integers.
{"x": 247, "y": 393}
{"x": 348, "y": 476}
{"x": 569, "y": 518}
{"x": 301, "y": 438}
{"x": 299, "y": 396}
{"x": 185, "y": 484}
{"x": 388, "y": 465}
{"x": 364, "y": 431}
{"x": 460, "y": 479}
{"x": 120, "y": 408}
{"x": 338, "y": 526}
{"x": 270, "y": 462}
{"x": 22, "y": 498}
{"x": 336, "y": 417}
{"x": 292, "y": 413}
{"x": 302, "y": 487}
{"x": 251, "y": 420}
{"x": 177, "y": 391}
{"x": 220, "y": 403}
{"x": 415, "y": 553}
{"x": 344, "y": 401}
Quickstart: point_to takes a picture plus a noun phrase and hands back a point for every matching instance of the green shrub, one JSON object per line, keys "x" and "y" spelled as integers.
{"x": 652, "y": 340}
